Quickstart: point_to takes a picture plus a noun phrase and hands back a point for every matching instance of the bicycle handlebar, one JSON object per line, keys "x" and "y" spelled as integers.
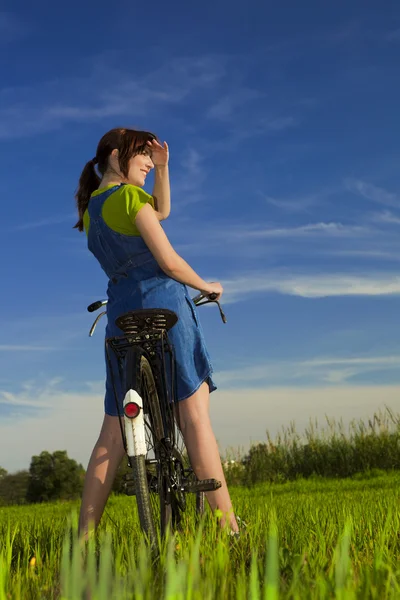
{"x": 96, "y": 305}
{"x": 197, "y": 301}
{"x": 99, "y": 303}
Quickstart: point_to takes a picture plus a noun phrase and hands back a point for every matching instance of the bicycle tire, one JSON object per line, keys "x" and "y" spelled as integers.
{"x": 153, "y": 508}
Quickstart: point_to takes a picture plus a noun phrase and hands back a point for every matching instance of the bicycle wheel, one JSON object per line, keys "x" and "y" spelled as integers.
{"x": 149, "y": 472}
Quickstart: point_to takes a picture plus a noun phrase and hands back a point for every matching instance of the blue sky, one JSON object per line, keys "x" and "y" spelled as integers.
{"x": 282, "y": 122}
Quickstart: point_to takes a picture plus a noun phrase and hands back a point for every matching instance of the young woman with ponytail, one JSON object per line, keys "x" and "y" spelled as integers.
{"x": 122, "y": 223}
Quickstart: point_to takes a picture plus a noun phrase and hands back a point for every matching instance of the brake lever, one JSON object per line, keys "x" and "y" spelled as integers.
{"x": 93, "y": 327}
{"x": 201, "y": 299}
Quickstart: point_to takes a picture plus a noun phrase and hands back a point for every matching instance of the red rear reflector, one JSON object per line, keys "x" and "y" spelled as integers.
{"x": 132, "y": 410}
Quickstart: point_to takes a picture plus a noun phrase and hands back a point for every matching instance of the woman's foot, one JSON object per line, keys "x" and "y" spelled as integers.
{"x": 241, "y": 525}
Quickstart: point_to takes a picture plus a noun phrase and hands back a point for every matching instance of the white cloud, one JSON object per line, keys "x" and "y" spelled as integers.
{"x": 307, "y": 230}
{"x": 55, "y": 220}
{"x": 386, "y": 217}
{"x": 311, "y": 285}
{"x": 317, "y": 371}
{"x": 247, "y": 238}
{"x": 70, "y": 421}
{"x": 58, "y": 102}
{"x": 227, "y": 106}
{"x": 372, "y": 192}
{"x": 188, "y": 185}
{"x": 271, "y": 124}
{"x": 23, "y": 348}
{"x": 366, "y": 254}
{"x": 32, "y": 395}
{"x": 301, "y": 203}
{"x": 296, "y": 205}
{"x": 248, "y": 129}
{"x": 243, "y": 415}
{"x": 239, "y": 416}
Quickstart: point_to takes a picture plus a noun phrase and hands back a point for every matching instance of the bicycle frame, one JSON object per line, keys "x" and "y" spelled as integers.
{"x": 155, "y": 347}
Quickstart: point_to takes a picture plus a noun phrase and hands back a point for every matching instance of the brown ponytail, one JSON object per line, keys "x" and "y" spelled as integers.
{"x": 128, "y": 142}
{"x": 88, "y": 182}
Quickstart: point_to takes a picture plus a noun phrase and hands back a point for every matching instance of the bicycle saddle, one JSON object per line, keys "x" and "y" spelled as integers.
{"x": 142, "y": 320}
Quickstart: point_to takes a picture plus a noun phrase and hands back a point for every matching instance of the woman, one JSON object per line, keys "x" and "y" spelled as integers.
{"x": 122, "y": 223}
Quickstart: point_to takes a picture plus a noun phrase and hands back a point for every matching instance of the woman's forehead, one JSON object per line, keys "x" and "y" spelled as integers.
{"x": 145, "y": 150}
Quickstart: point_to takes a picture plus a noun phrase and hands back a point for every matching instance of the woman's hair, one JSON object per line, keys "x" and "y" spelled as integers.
{"x": 128, "y": 142}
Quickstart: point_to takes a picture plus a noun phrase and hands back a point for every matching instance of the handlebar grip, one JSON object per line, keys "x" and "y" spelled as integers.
{"x": 94, "y": 306}
{"x": 212, "y": 296}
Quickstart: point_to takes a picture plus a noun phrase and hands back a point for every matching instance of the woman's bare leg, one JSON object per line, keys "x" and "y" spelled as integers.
{"x": 195, "y": 424}
{"x": 102, "y": 468}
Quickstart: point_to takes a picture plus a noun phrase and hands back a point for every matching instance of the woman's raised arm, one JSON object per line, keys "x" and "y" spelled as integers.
{"x": 168, "y": 259}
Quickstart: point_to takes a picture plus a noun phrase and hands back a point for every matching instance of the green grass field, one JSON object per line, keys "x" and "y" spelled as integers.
{"x": 307, "y": 539}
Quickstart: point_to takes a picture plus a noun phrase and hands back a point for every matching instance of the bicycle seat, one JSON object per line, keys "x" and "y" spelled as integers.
{"x": 142, "y": 320}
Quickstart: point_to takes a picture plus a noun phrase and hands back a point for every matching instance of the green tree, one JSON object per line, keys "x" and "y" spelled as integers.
{"x": 54, "y": 477}
{"x": 124, "y": 469}
{"x": 3, "y": 473}
{"x": 13, "y": 488}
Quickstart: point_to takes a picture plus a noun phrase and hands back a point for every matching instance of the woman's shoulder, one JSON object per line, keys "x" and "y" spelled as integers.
{"x": 135, "y": 191}
{"x": 136, "y": 197}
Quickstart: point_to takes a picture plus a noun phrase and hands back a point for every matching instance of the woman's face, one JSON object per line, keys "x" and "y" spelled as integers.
{"x": 139, "y": 167}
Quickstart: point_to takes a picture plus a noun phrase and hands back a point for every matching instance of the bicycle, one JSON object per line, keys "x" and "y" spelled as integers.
{"x": 161, "y": 474}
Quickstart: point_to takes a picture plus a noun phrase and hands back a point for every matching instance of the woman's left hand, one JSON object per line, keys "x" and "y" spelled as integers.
{"x": 159, "y": 154}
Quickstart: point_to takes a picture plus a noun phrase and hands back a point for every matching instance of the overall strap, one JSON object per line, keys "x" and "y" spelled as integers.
{"x": 96, "y": 202}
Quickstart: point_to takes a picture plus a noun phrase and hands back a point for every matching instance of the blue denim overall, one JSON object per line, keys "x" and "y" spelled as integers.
{"x": 137, "y": 281}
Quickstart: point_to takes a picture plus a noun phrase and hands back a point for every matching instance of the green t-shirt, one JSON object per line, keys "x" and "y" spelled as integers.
{"x": 121, "y": 208}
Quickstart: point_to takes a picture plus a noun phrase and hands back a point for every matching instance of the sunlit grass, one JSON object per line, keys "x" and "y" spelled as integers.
{"x": 308, "y": 539}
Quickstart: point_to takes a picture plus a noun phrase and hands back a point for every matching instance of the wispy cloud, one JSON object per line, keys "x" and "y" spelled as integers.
{"x": 301, "y": 203}
{"x": 35, "y": 331}
{"x": 32, "y": 414}
{"x": 318, "y": 371}
{"x": 365, "y": 253}
{"x": 45, "y": 222}
{"x": 23, "y": 348}
{"x": 292, "y": 206}
{"x": 386, "y": 217}
{"x": 253, "y": 240}
{"x": 257, "y": 126}
{"x": 227, "y": 106}
{"x": 31, "y": 393}
{"x": 271, "y": 124}
{"x": 54, "y": 426}
{"x": 373, "y": 192}
{"x": 247, "y": 113}
{"x": 310, "y": 229}
{"x": 85, "y": 98}
{"x": 311, "y": 285}
{"x": 187, "y": 187}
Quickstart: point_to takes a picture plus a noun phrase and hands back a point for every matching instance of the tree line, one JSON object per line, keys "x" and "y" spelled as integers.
{"x": 51, "y": 476}
{"x": 361, "y": 449}
{"x": 330, "y": 452}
